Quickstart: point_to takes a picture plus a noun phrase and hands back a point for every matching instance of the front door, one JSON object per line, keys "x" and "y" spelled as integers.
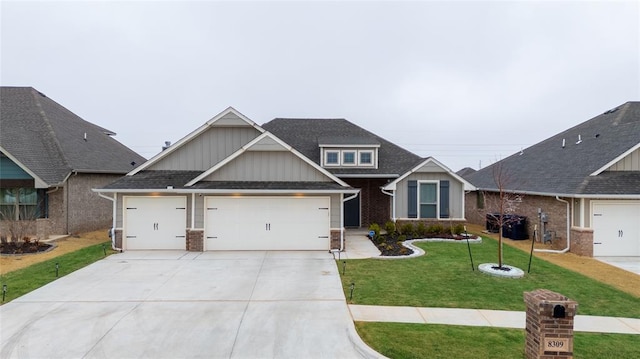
{"x": 352, "y": 213}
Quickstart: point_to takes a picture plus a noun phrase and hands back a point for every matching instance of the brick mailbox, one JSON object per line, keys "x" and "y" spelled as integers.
{"x": 549, "y": 325}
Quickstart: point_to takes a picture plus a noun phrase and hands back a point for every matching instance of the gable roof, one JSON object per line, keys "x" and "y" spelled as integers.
{"x": 50, "y": 142}
{"x": 577, "y": 168}
{"x": 229, "y": 117}
{"x": 306, "y": 136}
{"x": 391, "y": 186}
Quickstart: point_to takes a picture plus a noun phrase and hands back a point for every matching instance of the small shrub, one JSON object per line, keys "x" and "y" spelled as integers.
{"x": 26, "y": 240}
{"x": 402, "y": 238}
{"x": 435, "y": 229}
{"x": 421, "y": 229}
{"x": 390, "y": 227}
{"x": 407, "y": 229}
{"x": 458, "y": 228}
{"x": 404, "y": 251}
{"x": 389, "y": 247}
{"x": 376, "y": 228}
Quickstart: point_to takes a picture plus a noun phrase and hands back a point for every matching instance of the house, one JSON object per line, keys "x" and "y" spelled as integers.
{"x": 394, "y": 183}
{"x": 234, "y": 185}
{"x": 50, "y": 159}
{"x": 580, "y": 187}
{"x": 229, "y": 185}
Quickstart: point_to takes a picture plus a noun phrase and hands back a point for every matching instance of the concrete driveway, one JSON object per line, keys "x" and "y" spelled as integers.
{"x": 187, "y": 305}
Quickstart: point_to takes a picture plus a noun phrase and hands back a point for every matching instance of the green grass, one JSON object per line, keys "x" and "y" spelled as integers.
{"x": 399, "y": 341}
{"x": 444, "y": 278}
{"x": 23, "y": 281}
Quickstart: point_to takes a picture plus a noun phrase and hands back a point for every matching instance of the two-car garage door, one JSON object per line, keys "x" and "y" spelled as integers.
{"x": 616, "y": 228}
{"x": 267, "y": 223}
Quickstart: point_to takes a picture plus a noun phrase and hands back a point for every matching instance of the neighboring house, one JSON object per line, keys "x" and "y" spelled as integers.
{"x": 394, "y": 183}
{"x": 234, "y": 185}
{"x": 581, "y": 187}
{"x": 50, "y": 159}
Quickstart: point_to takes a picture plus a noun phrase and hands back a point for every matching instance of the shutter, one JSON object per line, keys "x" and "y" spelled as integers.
{"x": 412, "y": 200}
{"x": 444, "y": 199}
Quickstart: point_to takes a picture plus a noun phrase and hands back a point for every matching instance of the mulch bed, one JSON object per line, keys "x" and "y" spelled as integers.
{"x": 391, "y": 244}
{"x": 10, "y": 248}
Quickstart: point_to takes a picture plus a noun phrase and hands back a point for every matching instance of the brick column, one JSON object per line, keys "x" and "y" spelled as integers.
{"x": 549, "y": 325}
{"x": 118, "y": 241}
{"x": 195, "y": 240}
{"x": 335, "y": 239}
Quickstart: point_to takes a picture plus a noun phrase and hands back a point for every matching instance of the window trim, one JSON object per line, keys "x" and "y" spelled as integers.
{"x": 326, "y": 158}
{"x": 437, "y": 202}
{"x": 355, "y": 158}
{"x": 364, "y": 164}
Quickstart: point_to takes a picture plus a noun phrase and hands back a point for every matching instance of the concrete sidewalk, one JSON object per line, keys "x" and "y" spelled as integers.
{"x": 484, "y": 318}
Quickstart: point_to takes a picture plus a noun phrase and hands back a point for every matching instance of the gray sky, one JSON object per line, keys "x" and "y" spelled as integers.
{"x": 464, "y": 82}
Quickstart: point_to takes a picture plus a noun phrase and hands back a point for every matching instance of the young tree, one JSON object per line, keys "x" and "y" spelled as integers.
{"x": 502, "y": 204}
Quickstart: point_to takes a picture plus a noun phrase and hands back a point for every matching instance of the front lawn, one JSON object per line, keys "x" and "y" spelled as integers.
{"x": 399, "y": 340}
{"x": 23, "y": 281}
{"x": 443, "y": 278}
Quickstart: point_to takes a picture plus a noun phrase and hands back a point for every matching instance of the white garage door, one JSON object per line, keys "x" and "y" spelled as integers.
{"x": 616, "y": 229}
{"x": 155, "y": 222}
{"x": 267, "y": 223}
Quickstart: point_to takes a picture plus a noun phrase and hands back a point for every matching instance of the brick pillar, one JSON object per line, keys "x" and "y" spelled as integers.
{"x": 335, "y": 239}
{"x": 549, "y": 325}
{"x": 195, "y": 242}
{"x": 118, "y": 234}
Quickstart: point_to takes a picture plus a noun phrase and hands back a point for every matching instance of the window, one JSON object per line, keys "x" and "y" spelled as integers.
{"x": 19, "y": 203}
{"x": 348, "y": 158}
{"x": 332, "y": 158}
{"x": 366, "y": 158}
{"x": 428, "y": 200}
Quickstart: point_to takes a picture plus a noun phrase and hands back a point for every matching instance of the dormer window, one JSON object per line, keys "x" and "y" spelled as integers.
{"x": 366, "y": 158}
{"x": 348, "y": 158}
{"x": 332, "y": 158}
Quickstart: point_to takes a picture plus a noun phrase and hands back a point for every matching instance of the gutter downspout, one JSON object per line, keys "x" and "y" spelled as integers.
{"x": 113, "y": 225}
{"x": 393, "y": 203}
{"x": 342, "y": 230}
{"x": 568, "y": 232}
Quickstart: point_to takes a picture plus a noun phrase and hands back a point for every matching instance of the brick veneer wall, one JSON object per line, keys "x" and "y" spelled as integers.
{"x": 87, "y": 211}
{"x": 556, "y": 214}
{"x": 541, "y": 326}
{"x": 375, "y": 206}
{"x": 582, "y": 241}
{"x": 335, "y": 239}
{"x": 195, "y": 240}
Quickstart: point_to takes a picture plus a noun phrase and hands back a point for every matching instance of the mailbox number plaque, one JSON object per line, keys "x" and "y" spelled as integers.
{"x": 556, "y": 344}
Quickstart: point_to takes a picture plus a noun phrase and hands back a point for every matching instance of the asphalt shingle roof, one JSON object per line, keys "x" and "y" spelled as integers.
{"x": 50, "y": 140}
{"x": 547, "y": 167}
{"x": 305, "y": 135}
{"x": 177, "y": 179}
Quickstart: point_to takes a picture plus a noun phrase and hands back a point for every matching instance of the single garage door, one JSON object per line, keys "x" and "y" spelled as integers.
{"x": 155, "y": 222}
{"x": 267, "y": 223}
{"x": 616, "y": 229}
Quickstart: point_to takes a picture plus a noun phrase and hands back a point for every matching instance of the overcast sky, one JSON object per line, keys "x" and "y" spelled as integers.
{"x": 465, "y": 82}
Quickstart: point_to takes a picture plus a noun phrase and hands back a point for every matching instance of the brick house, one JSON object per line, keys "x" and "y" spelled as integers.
{"x": 50, "y": 159}
{"x": 580, "y": 187}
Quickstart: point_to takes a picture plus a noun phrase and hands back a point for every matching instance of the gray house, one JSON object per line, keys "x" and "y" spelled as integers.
{"x": 582, "y": 186}
{"x": 50, "y": 159}
{"x": 234, "y": 185}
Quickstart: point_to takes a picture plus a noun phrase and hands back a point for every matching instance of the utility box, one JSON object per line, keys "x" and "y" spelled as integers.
{"x": 549, "y": 325}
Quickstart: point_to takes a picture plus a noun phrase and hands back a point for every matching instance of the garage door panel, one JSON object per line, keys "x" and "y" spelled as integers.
{"x": 267, "y": 223}
{"x": 616, "y": 229}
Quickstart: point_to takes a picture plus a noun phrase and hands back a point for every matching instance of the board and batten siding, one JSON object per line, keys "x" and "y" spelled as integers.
{"x": 281, "y": 166}
{"x": 630, "y": 162}
{"x": 207, "y": 149}
{"x": 456, "y": 192}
